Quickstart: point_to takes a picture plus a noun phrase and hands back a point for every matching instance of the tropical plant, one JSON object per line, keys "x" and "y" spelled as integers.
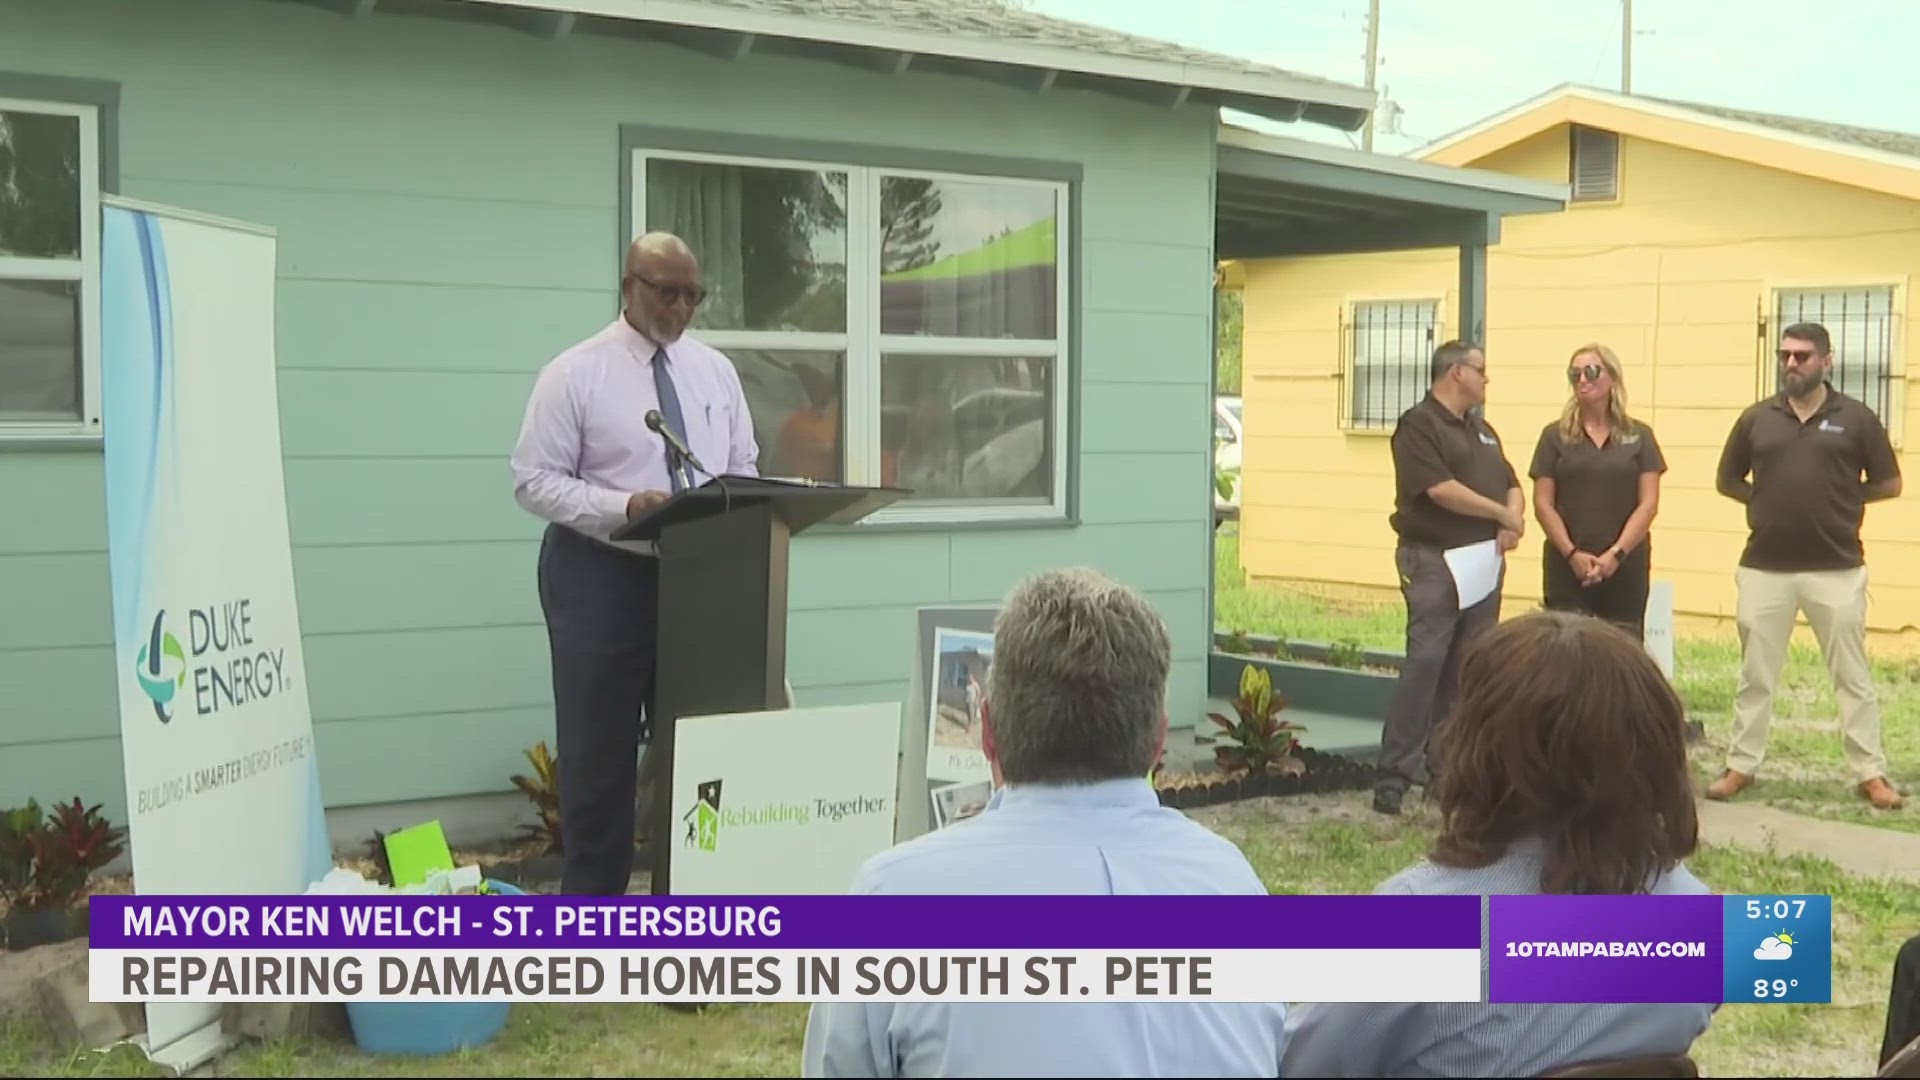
{"x": 1262, "y": 742}
{"x": 543, "y": 788}
{"x": 20, "y": 830}
{"x": 1223, "y": 482}
{"x": 1346, "y": 654}
{"x": 45, "y": 859}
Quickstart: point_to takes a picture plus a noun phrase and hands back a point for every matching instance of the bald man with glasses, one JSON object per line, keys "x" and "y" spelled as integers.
{"x": 586, "y": 463}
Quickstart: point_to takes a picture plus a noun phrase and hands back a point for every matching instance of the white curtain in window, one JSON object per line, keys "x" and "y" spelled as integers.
{"x": 701, "y": 204}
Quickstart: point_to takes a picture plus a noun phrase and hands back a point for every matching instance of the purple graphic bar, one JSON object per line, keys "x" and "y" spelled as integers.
{"x": 785, "y": 922}
{"x": 1626, "y": 949}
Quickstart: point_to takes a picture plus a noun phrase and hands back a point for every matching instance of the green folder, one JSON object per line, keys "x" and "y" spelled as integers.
{"x": 416, "y": 852}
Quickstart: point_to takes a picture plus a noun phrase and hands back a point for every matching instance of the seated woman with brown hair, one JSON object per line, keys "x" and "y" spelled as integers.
{"x": 1563, "y": 770}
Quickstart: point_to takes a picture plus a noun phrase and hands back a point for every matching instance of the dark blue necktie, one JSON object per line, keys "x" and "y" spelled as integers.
{"x": 670, "y": 410}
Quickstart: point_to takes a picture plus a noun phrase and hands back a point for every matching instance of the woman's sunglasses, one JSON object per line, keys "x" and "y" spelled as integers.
{"x": 1589, "y": 372}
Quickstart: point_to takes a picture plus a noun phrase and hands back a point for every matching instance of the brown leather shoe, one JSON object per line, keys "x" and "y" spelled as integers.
{"x": 1881, "y": 794}
{"x": 1731, "y": 783}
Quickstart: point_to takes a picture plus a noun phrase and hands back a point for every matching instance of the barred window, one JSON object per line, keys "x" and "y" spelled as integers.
{"x": 1393, "y": 343}
{"x": 1860, "y": 323}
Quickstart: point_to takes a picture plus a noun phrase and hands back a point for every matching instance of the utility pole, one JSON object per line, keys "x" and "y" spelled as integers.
{"x": 1626, "y": 46}
{"x": 1373, "y": 67}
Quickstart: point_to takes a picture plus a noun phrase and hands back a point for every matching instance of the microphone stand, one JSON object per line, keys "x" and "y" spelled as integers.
{"x": 680, "y": 464}
{"x": 677, "y": 465}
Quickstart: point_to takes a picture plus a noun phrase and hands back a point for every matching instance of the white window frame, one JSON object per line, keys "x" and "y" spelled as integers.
{"x": 86, "y": 272}
{"x": 863, "y": 344}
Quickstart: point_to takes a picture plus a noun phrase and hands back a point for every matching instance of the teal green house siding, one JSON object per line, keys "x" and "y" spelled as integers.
{"x": 448, "y": 201}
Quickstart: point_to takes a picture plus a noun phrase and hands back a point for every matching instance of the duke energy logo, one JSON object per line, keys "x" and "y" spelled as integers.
{"x": 228, "y": 668}
{"x": 161, "y": 666}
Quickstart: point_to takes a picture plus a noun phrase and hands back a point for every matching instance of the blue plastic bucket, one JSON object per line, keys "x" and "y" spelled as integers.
{"x": 429, "y": 1027}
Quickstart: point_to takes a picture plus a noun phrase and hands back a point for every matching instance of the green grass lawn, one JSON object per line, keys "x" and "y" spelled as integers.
{"x": 1322, "y": 844}
{"x": 1804, "y": 772}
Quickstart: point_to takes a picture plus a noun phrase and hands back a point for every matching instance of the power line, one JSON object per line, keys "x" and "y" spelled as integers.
{"x": 1613, "y": 21}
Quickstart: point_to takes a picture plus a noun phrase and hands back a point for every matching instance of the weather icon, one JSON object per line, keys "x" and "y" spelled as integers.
{"x": 1777, "y": 947}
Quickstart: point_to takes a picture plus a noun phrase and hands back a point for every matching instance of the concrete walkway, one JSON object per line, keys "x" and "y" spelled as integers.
{"x": 1860, "y": 850}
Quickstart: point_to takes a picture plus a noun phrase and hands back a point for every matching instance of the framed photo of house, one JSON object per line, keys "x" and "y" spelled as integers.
{"x": 940, "y": 736}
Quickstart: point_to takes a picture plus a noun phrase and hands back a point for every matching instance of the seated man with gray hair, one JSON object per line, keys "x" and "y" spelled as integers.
{"x": 1074, "y": 717}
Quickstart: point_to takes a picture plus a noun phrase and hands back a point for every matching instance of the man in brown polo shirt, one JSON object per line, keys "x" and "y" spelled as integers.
{"x": 1453, "y": 487}
{"x": 1807, "y": 449}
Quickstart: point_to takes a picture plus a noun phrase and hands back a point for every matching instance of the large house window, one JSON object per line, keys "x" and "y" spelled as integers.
{"x": 891, "y": 326}
{"x": 1389, "y": 364}
{"x": 49, "y": 267}
{"x": 1859, "y": 322}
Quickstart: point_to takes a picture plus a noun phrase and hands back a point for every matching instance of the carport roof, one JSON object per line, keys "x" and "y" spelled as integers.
{"x": 1278, "y": 196}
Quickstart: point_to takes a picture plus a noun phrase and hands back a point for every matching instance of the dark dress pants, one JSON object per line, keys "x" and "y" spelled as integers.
{"x": 1438, "y": 633}
{"x": 1621, "y": 599}
{"x": 602, "y": 613}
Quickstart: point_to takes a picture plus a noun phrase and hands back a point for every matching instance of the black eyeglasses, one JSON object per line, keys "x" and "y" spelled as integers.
{"x": 1798, "y": 356}
{"x": 673, "y": 294}
{"x": 1588, "y": 372}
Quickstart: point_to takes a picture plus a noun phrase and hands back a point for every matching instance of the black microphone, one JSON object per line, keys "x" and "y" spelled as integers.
{"x": 659, "y": 424}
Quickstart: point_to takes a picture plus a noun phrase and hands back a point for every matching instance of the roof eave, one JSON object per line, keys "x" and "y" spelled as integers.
{"x": 1440, "y": 185}
{"x": 1561, "y": 103}
{"x": 1276, "y": 97}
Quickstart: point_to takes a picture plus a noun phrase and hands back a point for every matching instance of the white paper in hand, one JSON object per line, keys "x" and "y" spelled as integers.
{"x": 1476, "y": 571}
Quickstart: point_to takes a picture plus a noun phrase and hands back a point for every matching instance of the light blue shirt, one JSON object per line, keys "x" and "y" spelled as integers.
{"x": 1464, "y": 1039}
{"x": 1106, "y": 839}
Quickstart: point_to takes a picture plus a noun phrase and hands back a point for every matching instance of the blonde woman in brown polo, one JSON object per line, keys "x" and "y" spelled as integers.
{"x": 1596, "y": 488}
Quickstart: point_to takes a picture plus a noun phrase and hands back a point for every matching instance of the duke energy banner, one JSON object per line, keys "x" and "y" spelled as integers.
{"x": 222, "y": 783}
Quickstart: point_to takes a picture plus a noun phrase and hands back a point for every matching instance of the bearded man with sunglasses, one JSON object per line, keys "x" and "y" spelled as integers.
{"x": 1816, "y": 457}
{"x": 586, "y": 464}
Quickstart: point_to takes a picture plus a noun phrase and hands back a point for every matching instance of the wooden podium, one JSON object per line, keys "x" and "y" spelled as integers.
{"x": 723, "y": 604}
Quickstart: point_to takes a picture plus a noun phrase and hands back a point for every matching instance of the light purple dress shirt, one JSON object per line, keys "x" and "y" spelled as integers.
{"x": 584, "y": 443}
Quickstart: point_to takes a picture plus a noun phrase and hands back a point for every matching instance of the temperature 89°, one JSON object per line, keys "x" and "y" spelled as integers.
{"x": 1778, "y": 909}
{"x": 1775, "y": 988}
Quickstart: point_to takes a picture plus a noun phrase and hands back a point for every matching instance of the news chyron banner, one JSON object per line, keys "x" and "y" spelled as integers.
{"x": 1705, "y": 949}
{"x": 792, "y": 948}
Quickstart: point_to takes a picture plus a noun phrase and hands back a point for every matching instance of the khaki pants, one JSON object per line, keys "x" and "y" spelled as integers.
{"x": 1835, "y": 603}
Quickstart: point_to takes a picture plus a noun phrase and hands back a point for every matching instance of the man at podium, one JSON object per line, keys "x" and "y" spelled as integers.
{"x": 587, "y": 462}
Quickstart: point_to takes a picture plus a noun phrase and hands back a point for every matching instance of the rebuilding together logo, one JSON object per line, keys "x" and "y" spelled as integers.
{"x": 704, "y": 819}
{"x": 226, "y": 666}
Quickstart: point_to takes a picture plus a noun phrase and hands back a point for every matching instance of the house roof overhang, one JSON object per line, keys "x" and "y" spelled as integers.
{"x": 1676, "y": 125}
{"x": 735, "y": 30}
{"x": 1276, "y": 196}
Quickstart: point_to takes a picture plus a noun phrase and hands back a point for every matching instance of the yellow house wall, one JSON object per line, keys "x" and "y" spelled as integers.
{"x": 1674, "y": 276}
